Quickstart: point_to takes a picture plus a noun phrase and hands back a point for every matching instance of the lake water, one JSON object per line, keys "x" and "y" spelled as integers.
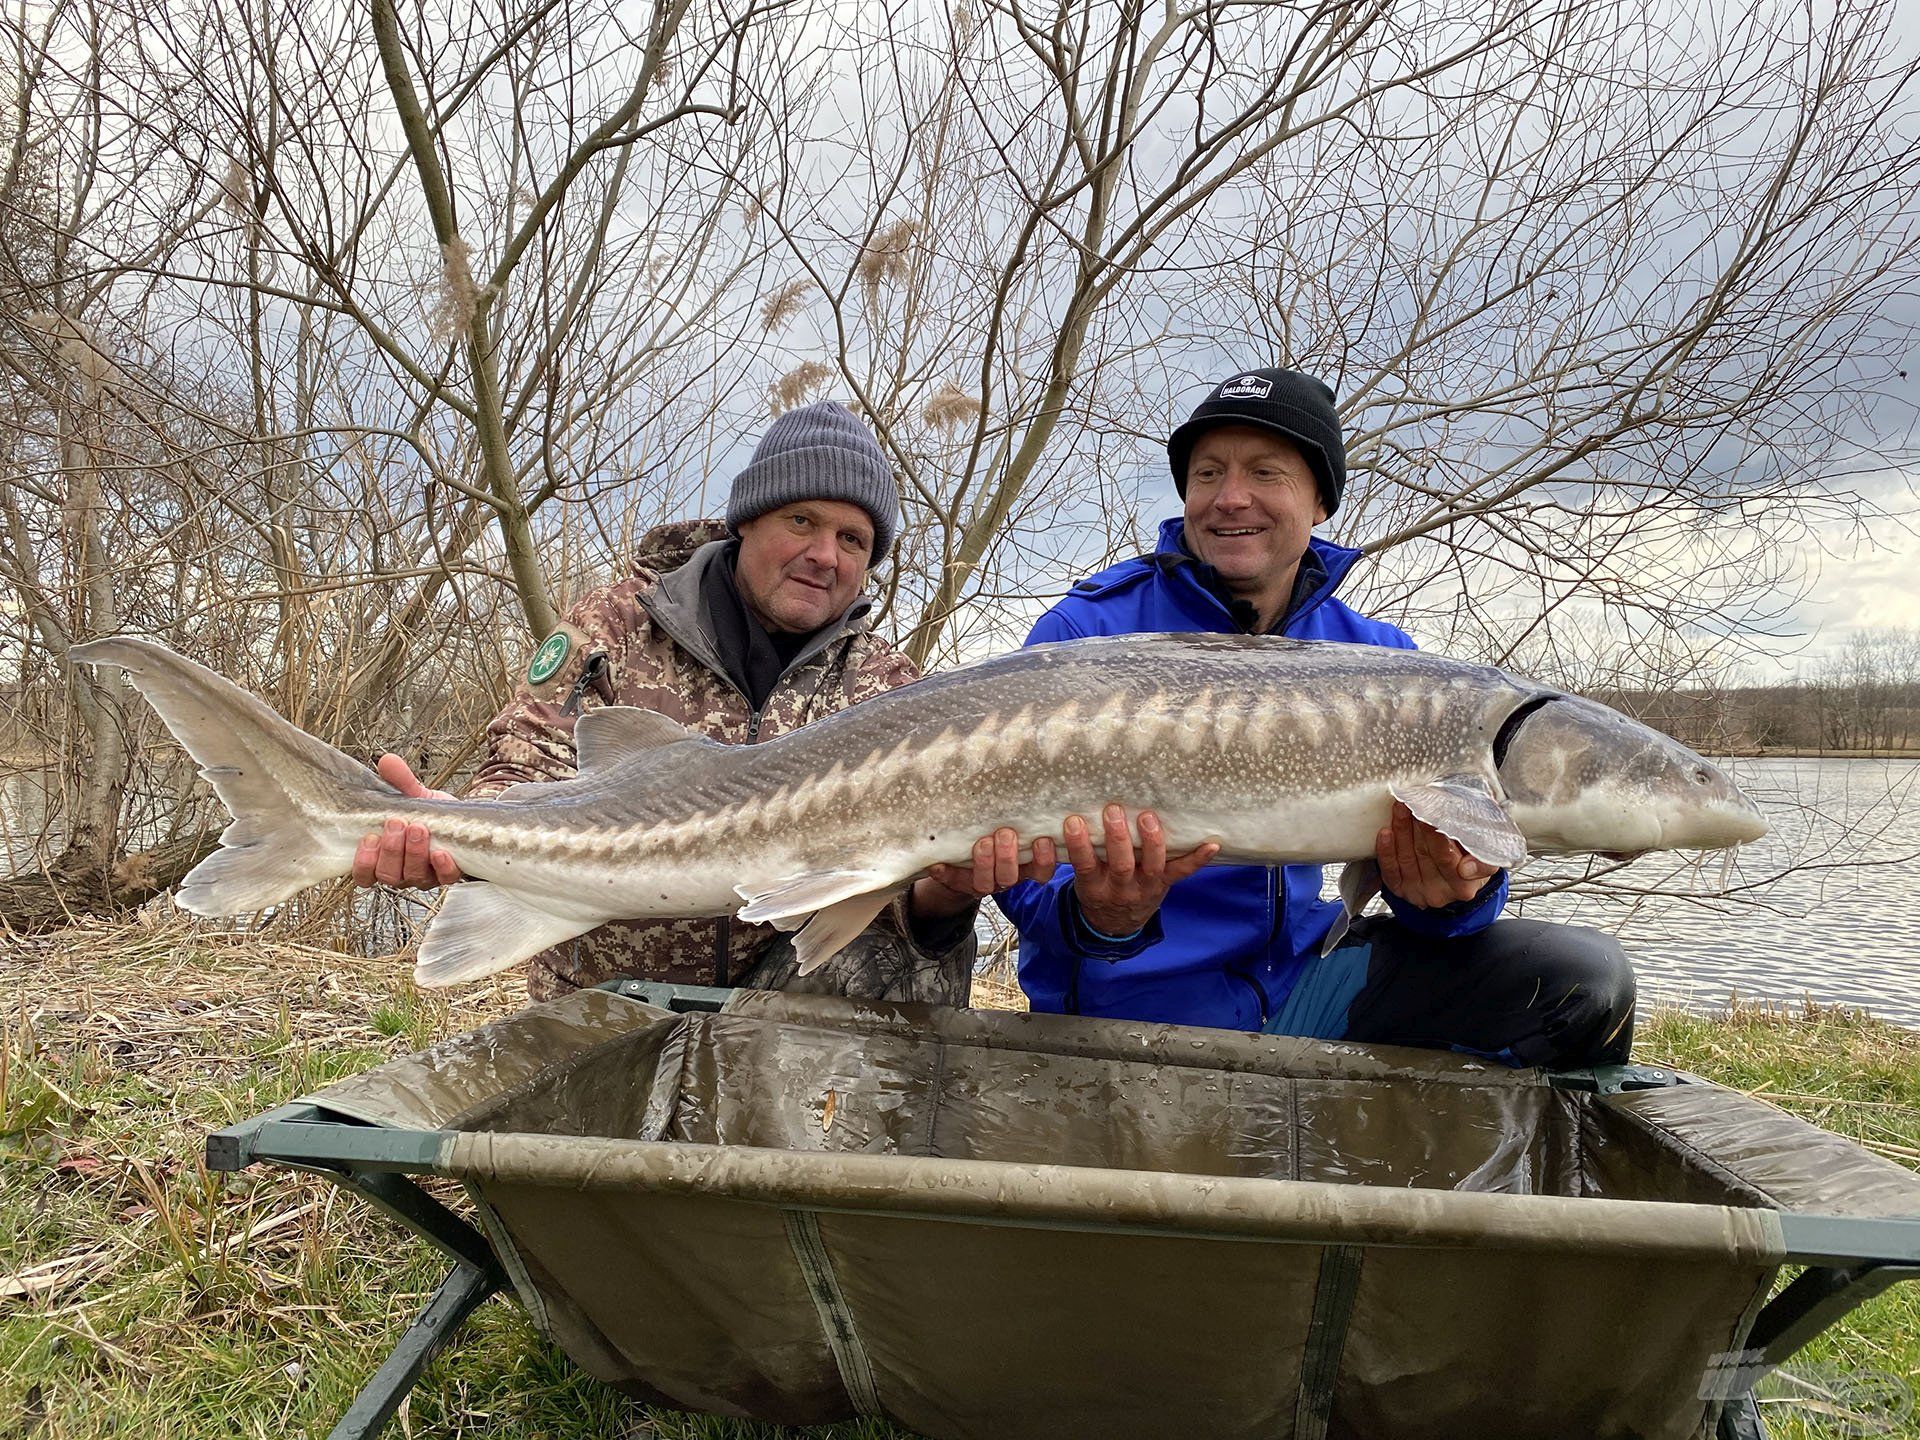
{"x": 22, "y": 813}
{"x": 1824, "y": 907}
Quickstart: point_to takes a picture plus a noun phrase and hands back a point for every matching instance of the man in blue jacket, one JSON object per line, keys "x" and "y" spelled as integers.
{"x": 1149, "y": 936}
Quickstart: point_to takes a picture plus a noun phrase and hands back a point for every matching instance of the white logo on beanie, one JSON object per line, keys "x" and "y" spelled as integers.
{"x": 1245, "y": 387}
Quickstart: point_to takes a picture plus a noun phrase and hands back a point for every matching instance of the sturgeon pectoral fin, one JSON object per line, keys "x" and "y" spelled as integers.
{"x": 831, "y": 930}
{"x": 1359, "y": 883}
{"x": 1463, "y": 808}
{"x": 482, "y": 928}
{"x": 792, "y": 900}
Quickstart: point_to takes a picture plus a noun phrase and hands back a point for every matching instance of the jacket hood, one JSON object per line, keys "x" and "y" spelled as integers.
{"x": 1180, "y": 573}
{"x": 669, "y": 546}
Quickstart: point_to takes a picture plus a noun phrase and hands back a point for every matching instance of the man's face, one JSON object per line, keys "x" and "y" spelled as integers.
{"x": 1252, "y": 503}
{"x": 800, "y": 566}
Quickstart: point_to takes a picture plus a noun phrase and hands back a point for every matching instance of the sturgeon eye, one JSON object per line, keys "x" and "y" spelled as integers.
{"x": 1701, "y": 776}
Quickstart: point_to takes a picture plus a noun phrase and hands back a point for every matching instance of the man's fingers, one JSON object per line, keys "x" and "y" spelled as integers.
{"x": 1119, "y": 843}
{"x": 446, "y": 870}
{"x": 1449, "y": 857}
{"x": 403, "y": 854}
{"x": 1040, "y": 868}
{"x": 1181, "y": 866}
{"x": 390, "y": 864}
{"x": 957, "y": 878}
{"x": 1436, "y": 887}
{"x": 1464, "y": 874}
{"x": 979, "y": 878}
{"x": 1397, "y": 866}
{"x": 1080, "y": 846}
{"x": 416, "y": 868}
{"x": 1006, "y": 858}
{"x": 365, "y": 854}
{"x": 1153, "y": 845}
{"x": 397, "y": 773}
{"x": 1413, "y": 881}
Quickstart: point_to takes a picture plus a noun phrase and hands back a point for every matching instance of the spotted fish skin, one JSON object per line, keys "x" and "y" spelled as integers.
{"x": 1280, "y": 751}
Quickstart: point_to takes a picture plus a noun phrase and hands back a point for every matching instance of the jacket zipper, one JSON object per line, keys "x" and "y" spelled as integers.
{"x": 590, "y": 674}
{"x": 1259, "y": 995}
{"x": 1276, "y": 910}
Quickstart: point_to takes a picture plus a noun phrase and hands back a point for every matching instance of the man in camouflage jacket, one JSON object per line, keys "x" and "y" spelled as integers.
{"x": 686, "y": 633}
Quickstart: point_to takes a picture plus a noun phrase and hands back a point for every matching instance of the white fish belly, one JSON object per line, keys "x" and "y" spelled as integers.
{"x": 1336, "y": 825}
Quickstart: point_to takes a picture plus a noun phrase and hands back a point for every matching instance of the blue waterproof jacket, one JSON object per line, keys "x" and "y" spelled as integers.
{"x": 1230, "y": 943}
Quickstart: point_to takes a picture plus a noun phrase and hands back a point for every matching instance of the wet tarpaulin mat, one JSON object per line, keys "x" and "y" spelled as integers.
{"x": 800, "y": 1209}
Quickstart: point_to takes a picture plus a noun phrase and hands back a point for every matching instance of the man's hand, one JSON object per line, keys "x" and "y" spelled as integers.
{"x": 949, "y": 889}
{"x": 1120, "y": 894}
{"x": 1422, "y": 866}
{"x": 403, "y": 854}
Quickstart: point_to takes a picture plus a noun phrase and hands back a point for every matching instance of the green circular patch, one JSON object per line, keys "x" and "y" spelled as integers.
{"x": 548, "y": 659}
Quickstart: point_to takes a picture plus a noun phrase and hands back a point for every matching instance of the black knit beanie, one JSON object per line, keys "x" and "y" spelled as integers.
{"x": 1285, "y": 402}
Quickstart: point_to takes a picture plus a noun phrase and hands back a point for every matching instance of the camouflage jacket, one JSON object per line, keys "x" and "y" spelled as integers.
{"x": 645, "y": 641}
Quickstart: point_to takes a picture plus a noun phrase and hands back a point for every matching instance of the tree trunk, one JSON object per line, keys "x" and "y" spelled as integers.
{"x": 76, "y": 885}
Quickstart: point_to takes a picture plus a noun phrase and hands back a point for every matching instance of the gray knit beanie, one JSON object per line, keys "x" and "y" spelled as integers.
{"x": 819, "y": 452}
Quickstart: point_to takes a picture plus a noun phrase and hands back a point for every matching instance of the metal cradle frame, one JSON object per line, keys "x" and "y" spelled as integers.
{"x": 1847, "y": 1261}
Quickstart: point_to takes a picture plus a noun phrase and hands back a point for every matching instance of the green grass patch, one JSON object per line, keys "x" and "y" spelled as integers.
{"x": 151, "y": 1298}
{"x": 1856, "y": 1077}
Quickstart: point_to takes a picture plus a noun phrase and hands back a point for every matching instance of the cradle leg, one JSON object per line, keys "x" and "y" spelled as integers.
{"x": 459, "y": 1294}
{"x": 1741, "y": 1421}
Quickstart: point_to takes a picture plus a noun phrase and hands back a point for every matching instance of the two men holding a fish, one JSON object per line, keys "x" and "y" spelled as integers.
{"x": 860, "y": 832}
{"x": 1132, "y": 925}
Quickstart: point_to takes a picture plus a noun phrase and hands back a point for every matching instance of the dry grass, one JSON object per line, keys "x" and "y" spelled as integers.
{"x": 141, "y": 1295}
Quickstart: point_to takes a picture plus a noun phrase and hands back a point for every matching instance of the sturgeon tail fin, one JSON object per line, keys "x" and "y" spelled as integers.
{"x": 279, "y": 783}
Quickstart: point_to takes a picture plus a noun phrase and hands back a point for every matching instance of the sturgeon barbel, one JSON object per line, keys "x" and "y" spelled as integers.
{"x": 1279, "y": 750}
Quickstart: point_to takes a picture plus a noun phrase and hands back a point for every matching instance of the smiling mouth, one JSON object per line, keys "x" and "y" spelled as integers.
{"x": 1237, "y": 533}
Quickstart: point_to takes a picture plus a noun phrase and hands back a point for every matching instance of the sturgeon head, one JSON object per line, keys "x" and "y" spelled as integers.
{"x": 1580, "y": 776}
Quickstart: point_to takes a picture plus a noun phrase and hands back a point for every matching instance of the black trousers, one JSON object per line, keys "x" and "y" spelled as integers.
{"x": 1522, "y": 991}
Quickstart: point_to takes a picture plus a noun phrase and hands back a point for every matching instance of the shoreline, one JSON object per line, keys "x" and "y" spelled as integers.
{"x": 1752, "y": 752}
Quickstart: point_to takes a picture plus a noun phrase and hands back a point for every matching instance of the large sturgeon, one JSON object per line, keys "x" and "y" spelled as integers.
{"x": 1280, "y": 750}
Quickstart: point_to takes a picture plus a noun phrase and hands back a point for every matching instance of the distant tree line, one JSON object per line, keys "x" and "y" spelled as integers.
{"x": 1866, "y": 696}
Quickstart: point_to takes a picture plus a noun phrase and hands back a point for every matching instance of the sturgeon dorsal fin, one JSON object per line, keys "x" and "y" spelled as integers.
{"x": 605, "y": 737}
{"x": 1465, "y": 810}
